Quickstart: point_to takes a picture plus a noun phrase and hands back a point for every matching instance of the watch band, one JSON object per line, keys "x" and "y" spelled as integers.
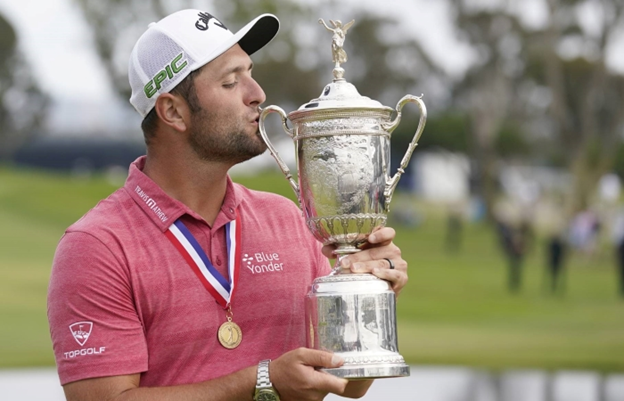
{"x": 263, "y": 380}
{"x": 264, "y": 387}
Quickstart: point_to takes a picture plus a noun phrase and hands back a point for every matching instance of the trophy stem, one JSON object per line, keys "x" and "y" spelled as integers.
{"x": 342, "y": 251}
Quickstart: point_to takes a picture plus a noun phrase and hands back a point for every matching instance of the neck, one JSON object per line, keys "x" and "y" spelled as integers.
{"x": 198, "y": 184}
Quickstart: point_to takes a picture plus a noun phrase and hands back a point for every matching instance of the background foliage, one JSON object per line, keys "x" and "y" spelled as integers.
{"x": 22, "y": 104}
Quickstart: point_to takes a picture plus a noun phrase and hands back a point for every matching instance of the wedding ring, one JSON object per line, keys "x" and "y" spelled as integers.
{"x": 390, "y": 262}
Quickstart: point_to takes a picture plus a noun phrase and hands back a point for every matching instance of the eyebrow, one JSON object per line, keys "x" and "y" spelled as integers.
{"x": 238, "y": 68}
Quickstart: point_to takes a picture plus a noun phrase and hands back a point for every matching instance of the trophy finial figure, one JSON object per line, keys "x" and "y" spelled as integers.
{"x": 339, "y": 56}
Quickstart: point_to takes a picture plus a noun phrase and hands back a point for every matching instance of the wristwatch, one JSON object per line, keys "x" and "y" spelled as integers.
{"x": 264, "y": 387}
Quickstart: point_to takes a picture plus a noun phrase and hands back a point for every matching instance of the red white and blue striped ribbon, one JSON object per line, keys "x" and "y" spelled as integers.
{"x": 221, "y": 289}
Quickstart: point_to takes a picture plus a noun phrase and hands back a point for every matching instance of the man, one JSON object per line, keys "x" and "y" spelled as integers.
{"x": 179, "y": 284}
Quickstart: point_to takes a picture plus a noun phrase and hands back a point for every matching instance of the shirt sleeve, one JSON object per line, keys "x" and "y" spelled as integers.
{"x": 94, "y": 325}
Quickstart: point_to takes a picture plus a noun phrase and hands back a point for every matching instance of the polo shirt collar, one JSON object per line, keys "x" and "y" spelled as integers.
{"x": 164, "y": 210}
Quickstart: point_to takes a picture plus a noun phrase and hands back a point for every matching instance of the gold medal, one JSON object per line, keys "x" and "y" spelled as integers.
{"x": 230, "y": 334}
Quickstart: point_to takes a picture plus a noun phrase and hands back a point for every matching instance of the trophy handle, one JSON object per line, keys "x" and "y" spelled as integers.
{"x": 265, "y": 112}
{"x": 391, "y": 126}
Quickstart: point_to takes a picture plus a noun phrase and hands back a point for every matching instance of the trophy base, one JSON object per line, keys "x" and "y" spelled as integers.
{"x": 352, "y": 372}
{"x": 354, "y": 316}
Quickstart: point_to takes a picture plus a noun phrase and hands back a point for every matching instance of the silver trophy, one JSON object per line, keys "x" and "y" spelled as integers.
{"x": 342, "y": 144}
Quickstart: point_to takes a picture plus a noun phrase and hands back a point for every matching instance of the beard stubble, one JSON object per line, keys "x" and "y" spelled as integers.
{"x": 219, "y": 138}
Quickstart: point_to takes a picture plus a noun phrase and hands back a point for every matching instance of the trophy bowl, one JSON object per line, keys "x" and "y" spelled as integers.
{"x": 342, "y": 147}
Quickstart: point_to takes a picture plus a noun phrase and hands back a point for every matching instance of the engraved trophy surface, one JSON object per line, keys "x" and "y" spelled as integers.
{"x": 342, "y": 145}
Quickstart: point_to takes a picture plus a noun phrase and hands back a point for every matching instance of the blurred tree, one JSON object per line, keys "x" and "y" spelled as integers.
{"x": 619, "y": 160}
{"x": 487, "y": 94}
{"x": 550, "y": 83}
{"x": 446, "y": 130}
{"x": 23, "y": 105}
{"x": 511, "y": 142}
{"x": 295, "y": 68}
{"x": 587, "y": 98}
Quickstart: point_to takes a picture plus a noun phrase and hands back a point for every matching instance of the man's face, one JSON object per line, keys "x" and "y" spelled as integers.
{"x": 225, "y": 128}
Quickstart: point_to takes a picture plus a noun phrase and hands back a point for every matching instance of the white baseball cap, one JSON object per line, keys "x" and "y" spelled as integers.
{"x": 182, "y": 42}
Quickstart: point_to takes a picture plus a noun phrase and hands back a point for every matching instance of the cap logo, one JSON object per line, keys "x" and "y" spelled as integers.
{"x": 170, "y": 70}
{"x": 204, "y": 19}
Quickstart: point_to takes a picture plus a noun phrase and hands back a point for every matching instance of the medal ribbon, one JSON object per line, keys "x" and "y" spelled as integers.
{"x": 221, "y": 289}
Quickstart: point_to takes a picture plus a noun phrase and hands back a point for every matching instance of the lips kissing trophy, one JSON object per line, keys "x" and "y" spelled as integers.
{"x": 342, "y": 144}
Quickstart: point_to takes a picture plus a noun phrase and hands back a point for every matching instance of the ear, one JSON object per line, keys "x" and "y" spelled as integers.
{"x": 172, "y": 111}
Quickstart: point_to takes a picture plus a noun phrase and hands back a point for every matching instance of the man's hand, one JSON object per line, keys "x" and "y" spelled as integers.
{"x": 373, "y": 259}
{"x": 295, "y": 378}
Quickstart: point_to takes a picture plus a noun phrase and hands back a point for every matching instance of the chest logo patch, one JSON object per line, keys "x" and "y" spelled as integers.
{"x": 263, "y": 262}
{"x": 81, "y": 331}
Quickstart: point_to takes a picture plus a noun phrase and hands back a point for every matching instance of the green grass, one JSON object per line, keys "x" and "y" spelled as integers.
{"x": 454, "y": 311}
{"x": 35, "y": 209}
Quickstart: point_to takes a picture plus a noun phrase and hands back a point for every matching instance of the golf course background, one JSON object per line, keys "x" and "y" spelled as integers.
{"x": 454, "y": 311}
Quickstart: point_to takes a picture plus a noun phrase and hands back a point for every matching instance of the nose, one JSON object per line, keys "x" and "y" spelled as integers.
{"x": 256, "y": 95}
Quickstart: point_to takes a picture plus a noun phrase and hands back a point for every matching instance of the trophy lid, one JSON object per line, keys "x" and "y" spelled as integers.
{"x": 339, "y": 94}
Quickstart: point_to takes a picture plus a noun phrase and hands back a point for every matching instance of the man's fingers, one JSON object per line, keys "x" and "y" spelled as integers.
{"x": 357, "y": 388}
{"x": 379, "y": 238}
{"x": 366, "y": 261}
{"x": 296, "y": 374}
{"x": 383, "y": 236}
{"x": 331, "y": 384}
{"x": 381, "y": 268}
{"x": 397, "y": 278}
{"x": 320, "y": 359}
{"x": 328, "y": 251}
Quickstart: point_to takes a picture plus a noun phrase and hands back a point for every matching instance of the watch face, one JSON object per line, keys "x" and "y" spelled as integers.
{"x": 267, "y": 395}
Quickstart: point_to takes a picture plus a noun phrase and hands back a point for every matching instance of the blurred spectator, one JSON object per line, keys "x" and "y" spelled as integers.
{"x": 405, "y": 212}
{"x": 584, "y": 231}
{"x": 555, "y": 251}
{"x": 617, "y": 237}
{"x": 620, "y": 266}
{"x": 515, "y": 242}
{"x": 454, "y": 228}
